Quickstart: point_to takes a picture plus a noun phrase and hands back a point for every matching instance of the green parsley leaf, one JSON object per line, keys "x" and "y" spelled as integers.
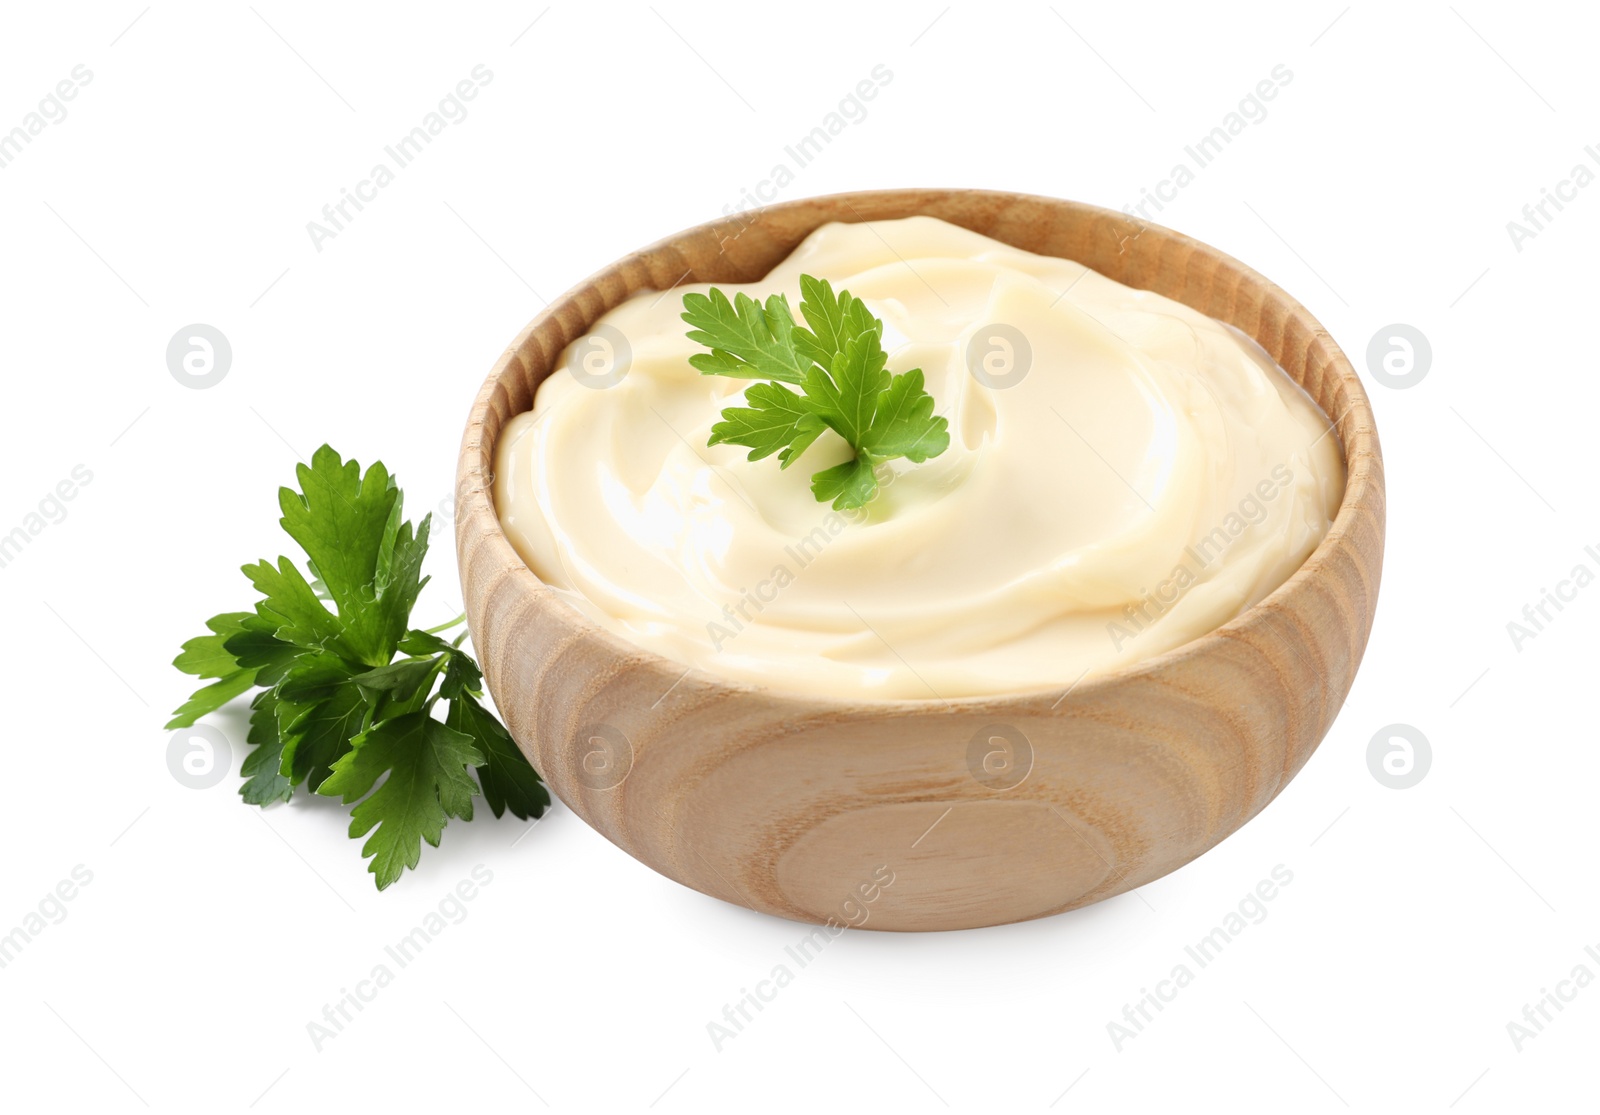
{"x": 509, "y": 782}
{"x": 400, "y": 687}
{"x": 211, "y": 698}
{"x": 746, "y": 340}
{"x": 340, "y": 517}
{"x": 846, "y": 393}
{"x": 837, "y": 359}
{"x": 320, "y": 709}
{"x": 335, "y": 710}
{"x": 208, "y": 656}
{"x": 851, "y": 484}
{"x": 903, "y": 424}
{"x": 421, "y": 643}
{"x": 257, "y": 648}
{"x": 399, "y": 583}
{"x": 428, "y": 783}
{"x": 264, "y": 781}
{"x": 777, "y": 421}
{"x": 461, "y": 676}
{"x": 835, "y": 321}
{"x": 294, "y": 610}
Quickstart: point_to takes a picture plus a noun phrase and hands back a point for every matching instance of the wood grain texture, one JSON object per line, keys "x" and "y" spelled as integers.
{"x": 789, "y": 804}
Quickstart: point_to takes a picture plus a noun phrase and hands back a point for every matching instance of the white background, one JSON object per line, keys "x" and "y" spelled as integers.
{"x": 177, "y": 190}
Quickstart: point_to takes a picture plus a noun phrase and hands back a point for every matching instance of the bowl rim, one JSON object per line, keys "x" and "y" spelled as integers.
{"x": 478, "y": 521}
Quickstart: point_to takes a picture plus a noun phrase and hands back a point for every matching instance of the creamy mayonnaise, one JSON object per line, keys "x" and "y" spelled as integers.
{"x": 1124, "y": 474}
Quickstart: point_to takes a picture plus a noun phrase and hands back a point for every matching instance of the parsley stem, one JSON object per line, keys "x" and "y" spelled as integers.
{"x": 446, "y": 626}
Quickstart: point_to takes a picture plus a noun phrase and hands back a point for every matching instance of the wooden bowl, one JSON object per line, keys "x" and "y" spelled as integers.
{"x": 803, "y": 806}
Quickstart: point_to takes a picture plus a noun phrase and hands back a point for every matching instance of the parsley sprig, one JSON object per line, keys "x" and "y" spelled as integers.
{"x": 838, "y": 362}
{"x": 337, "y": 709}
